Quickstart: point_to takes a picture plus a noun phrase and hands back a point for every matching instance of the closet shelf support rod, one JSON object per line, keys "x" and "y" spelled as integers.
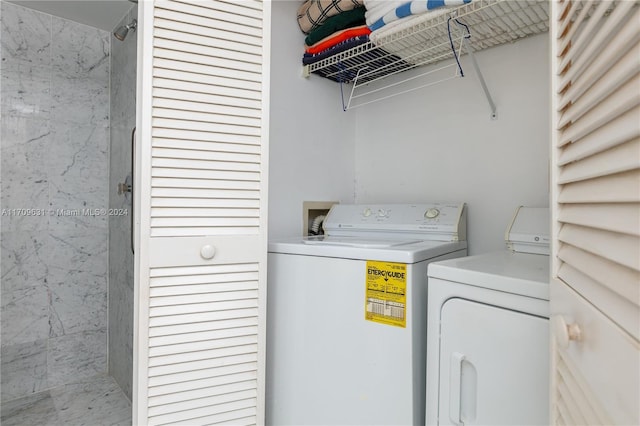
{"x": 492, "y": 105}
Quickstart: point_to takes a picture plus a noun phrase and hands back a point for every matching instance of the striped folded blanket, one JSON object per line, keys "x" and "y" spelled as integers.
{"x": 376, "y": 9}
{"x": 415, "y": 7}
{"x": 313, "y": 13}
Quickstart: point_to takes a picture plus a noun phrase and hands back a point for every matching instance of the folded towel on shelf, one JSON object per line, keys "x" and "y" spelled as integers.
{"x": 414, "y": 8}
{"x": 338, "y": 37}
{"x": 341, "y": 21}
{"x": 313, "y": 13}
{"x": 376, "y": 9}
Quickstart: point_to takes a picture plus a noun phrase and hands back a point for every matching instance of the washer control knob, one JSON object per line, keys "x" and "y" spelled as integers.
{"x": 382, "y": 213}
{"x": 431, "y": 213}
{"x": 366, "y": 212}
{"x": 207, "y": 251}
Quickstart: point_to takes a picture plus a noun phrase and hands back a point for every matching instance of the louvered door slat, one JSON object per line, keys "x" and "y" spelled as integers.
{"x": 203, "y": 212}
{"x": 170, "y": 330}
{"x": 178, "y": 124}
{"x": 622, "y": 280}
{"x": 226, "y": 110}
{"x": 205, "y": 116}
{"x": 203, "y": 365}
{"x": 202, "y": 249}
{"x": 205, "y": 146}
{"x": 217, "y": 203}
{"x": 213, "y": 412}
{"x": 618, "y": 188}
{"x": 205, "y": 184}
{"x": 177, "y": 55}
{"x": 246, "y": 19}
{"x": 230, "y": 26}
{"x": 212, "y": 155}
{"x": 207, "y": 40}
{"x": 616, "y": 132}
{"x": 614, "y": 105}
{"x": 214, "y": 52}
{"x": 195, "y": 349}
{"x": 166, "y": 162}
{"x": 251, "y": 8}
{"x": 205, "y": 69}
{"x": 228, "y": 384}
{"x": 622, "y": 217}
{"x": 627, "y": 37}
{"x": 203, "y": 355}
{"x": 182, "y": 379}
{"x": 615, "y": 160}
{"x": 232, "y": 104}
{"x": 203, "y": 402}
{"x": 172, "y": 72}
{"x": 232, "y": 91}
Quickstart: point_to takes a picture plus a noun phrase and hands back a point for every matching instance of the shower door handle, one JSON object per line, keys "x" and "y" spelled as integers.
{"x": 133, "y": 178}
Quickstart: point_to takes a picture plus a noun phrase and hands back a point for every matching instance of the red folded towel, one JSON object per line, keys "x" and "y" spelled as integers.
{"x": 337, "y": 37}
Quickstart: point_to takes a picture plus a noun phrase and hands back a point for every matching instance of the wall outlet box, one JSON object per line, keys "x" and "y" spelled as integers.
{"x": 311, "y": 210}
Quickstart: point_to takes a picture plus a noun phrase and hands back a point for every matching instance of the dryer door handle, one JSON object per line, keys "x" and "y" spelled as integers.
{"x": 455, "y": 387}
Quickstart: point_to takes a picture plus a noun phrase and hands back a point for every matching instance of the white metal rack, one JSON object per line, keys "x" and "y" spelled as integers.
{"x": 429, "y": 39}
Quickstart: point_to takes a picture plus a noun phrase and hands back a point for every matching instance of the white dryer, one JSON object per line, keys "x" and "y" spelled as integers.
{"x": 488, "y": 331}
{"x": 346, "y": 321}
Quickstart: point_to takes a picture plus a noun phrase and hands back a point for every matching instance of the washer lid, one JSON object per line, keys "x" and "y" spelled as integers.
{"x": 403, "y": 251}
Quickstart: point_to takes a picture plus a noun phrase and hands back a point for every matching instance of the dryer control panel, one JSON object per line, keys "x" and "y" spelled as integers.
{"x": 433, "y": 221}
{"x": 528, "y": 231}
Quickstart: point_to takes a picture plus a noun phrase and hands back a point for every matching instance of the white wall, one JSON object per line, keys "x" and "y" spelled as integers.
{"x": 312, "y": 142}
{"x": 439, "y": 143}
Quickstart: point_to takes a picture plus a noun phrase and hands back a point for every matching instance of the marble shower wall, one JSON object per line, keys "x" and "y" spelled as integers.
{"x": 54, "y": 157}
{"x": 123, "y": 120}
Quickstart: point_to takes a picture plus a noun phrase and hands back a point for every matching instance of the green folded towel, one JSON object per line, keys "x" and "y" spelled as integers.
{"x": 348, "y": 19}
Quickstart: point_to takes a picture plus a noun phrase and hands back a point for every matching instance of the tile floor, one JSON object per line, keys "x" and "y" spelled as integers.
{"x": 97, "y": 401}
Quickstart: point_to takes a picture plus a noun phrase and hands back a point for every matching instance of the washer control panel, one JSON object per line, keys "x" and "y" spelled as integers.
{"x": 442, "y": 218}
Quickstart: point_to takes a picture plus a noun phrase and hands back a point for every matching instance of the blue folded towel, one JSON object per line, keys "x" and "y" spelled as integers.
{"x": 414, "y": 8}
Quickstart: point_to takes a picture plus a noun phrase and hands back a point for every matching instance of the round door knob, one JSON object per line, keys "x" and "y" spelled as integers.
{"x": 565, "y": 333}
{"x": 207, "y": 251}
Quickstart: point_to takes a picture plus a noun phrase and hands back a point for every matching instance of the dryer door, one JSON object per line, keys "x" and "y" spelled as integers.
{"x": 493, "y": 366}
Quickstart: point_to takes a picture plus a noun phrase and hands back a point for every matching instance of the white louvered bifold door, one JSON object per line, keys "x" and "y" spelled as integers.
{"x": 201, "y": 165}
{"x": 595, "y": 285}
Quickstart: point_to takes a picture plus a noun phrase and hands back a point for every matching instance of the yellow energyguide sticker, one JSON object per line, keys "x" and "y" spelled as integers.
{"x": 386, "y": 293}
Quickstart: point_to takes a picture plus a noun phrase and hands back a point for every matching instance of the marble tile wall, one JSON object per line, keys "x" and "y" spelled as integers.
{"x": 54, "y": 157}
{"x": 123, "y": 120}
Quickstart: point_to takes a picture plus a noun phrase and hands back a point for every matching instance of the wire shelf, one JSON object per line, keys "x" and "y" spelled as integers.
{"x": 428, "y": 39}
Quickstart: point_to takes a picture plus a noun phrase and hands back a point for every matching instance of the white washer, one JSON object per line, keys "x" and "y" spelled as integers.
{"x": 344, "y": 345}
{"x": 488, "y": 331}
